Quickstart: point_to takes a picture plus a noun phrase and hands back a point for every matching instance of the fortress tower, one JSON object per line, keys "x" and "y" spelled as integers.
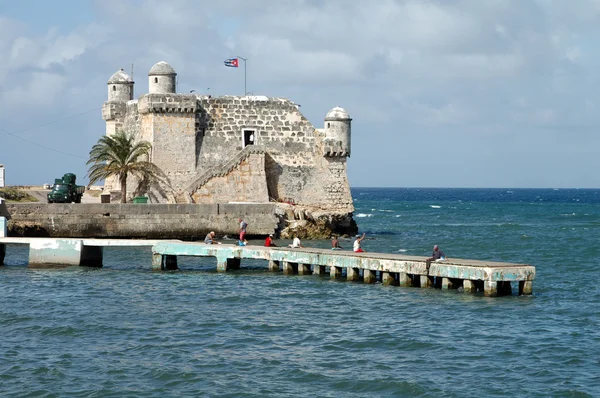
{"x": 120, "y": 91}
{"x": 337, "y": 133}
{"x": 162, "y": 79}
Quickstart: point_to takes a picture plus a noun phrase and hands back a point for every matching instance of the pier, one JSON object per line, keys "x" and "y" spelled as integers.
{"x": 470, "y": 276}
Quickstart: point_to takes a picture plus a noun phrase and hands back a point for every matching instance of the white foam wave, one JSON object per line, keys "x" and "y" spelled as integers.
{"x": 361, "y": 215}
{"x": 402, "y": 250}
{"x": 435, "y": 206}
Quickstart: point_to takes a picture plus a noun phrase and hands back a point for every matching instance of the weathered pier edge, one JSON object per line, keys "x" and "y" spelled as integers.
{"x": 492, "y": 278}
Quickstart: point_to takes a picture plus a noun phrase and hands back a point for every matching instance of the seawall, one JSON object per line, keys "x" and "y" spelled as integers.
{"x": 145, "y": 221}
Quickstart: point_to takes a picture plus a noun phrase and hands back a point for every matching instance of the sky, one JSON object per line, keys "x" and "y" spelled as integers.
{"x": 442, "y": 93}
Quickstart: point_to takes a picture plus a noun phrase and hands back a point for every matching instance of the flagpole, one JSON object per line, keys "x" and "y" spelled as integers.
{"x": 245, "y": 90}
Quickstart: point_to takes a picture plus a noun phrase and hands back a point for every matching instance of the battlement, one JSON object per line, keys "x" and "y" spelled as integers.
{"x": 334, "y": 148}
{"x": 168, "y": 103}
{"x": 112, "y": 110}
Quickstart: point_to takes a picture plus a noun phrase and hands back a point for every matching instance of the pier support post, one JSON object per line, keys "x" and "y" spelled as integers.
{"x": 273, "y": 266}
{"x": 156, "y": 261}
{"x": 490, "y": 288}
{"x": 290, "y": 268}
{"x": 63, "y": 252}
{"x": 404, "y": 280}
{"x": 369, "y": 276}
{"x": 162, "y": 262}
{"x": 304, "y": 269}
{"x": 318, "y": 270}
{"x": 2, "y": 253}
{"x": 525, "y": 287}
{"x": 335, "y": 272}
{"x": 387, "y": 278}
{"x": 447, "y": 283}
{"x": 352, "y": 274}
{"x": 426, "y": 281}
{"x": 469, "y": 286}
{"x": 227, "y": 264}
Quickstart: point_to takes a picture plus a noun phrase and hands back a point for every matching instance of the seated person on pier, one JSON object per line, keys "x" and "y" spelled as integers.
{"x": 357, "y": 246}
{"x": 335, "y": 244}
{"x": 437, "y": 254}
{"x": 210, "y": 238}
{"x": 296, "y": 243}
{"x": 269, "y": 241}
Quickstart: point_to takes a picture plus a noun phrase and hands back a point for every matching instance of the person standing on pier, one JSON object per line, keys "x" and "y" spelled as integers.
{"x": 243, "y": 226}
{"x": 357, "y": 247}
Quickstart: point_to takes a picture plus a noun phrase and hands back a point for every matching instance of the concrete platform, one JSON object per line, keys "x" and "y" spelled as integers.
{"x": 491, "y": 278}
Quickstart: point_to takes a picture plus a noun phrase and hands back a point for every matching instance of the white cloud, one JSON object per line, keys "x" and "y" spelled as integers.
{"x": 479, "y": 73}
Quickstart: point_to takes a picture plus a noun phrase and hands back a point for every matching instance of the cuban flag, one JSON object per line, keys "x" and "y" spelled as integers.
{"x": 231, "y": 62}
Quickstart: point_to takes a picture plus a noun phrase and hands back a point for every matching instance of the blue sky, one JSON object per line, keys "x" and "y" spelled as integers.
{"x": 443, "y": 93}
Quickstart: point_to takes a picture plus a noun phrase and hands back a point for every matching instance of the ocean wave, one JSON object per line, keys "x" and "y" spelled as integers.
{"x": 435, "y": 206}
{"x": 361, "y": 215}
{"x": 402, "y": 250}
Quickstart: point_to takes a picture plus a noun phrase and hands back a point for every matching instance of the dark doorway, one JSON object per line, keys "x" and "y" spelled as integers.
{"x": 249, "y": 137}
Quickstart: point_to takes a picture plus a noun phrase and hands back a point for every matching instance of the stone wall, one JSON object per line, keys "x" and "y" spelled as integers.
{"x": 152, "y": 221}
{"x": 194, "y": 135}
{"x": 245, "y": 182}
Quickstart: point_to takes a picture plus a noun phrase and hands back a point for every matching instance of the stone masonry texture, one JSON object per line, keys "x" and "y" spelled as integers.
{"x": 234, "y": 148}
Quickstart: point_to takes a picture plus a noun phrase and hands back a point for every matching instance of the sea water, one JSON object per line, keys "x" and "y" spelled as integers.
{"x": 125, "y": 331}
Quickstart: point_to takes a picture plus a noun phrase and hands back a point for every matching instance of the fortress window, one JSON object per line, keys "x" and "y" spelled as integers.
{"x": 328, "y": 125}
{"x": 114, "y": 88}
{"x": 156, "y": 80}
{"x": 248, "y": 137}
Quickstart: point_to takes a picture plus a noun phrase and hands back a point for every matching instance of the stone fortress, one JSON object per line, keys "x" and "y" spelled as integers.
{"x": 232, "y": 149}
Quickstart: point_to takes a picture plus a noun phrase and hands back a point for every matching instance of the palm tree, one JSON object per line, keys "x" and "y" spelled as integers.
{"x": 119, "y": 155}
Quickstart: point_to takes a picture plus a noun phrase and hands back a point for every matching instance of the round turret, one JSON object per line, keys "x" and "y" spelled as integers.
{"x": 120, "y": 87}
{"x": 161, "y": 79}
{"x": 337, "y": 132}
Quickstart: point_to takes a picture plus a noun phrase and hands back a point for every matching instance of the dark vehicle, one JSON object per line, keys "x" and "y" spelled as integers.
{"x": 65, "y": 190}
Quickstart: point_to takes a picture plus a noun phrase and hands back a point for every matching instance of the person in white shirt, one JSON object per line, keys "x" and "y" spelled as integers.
{"x": 357, "y": 247}
{"x": 296, "y": 242}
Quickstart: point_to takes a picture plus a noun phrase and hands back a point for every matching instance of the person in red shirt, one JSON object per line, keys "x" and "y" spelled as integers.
{"x": 269, "y": 241}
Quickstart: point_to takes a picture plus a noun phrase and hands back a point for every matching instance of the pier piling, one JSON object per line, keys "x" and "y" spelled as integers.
{"x": 369, "y": 276}
{"x": 335, "y": 272}
{"x": 304, "y": 269}
{"x": 353, "y": 274}
{"x": 388, "y": 278}
{"x": 318, "y": 270}
{"x": 273, "y": 265}
{"x": 290, "y": 268}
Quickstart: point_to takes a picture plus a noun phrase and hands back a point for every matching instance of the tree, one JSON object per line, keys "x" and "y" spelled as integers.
{"x": 119, "y": 155}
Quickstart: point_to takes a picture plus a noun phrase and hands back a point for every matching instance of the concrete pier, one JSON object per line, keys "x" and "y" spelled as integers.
{"x": 50, "y": 252}
{"x": 489, "y": 278}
